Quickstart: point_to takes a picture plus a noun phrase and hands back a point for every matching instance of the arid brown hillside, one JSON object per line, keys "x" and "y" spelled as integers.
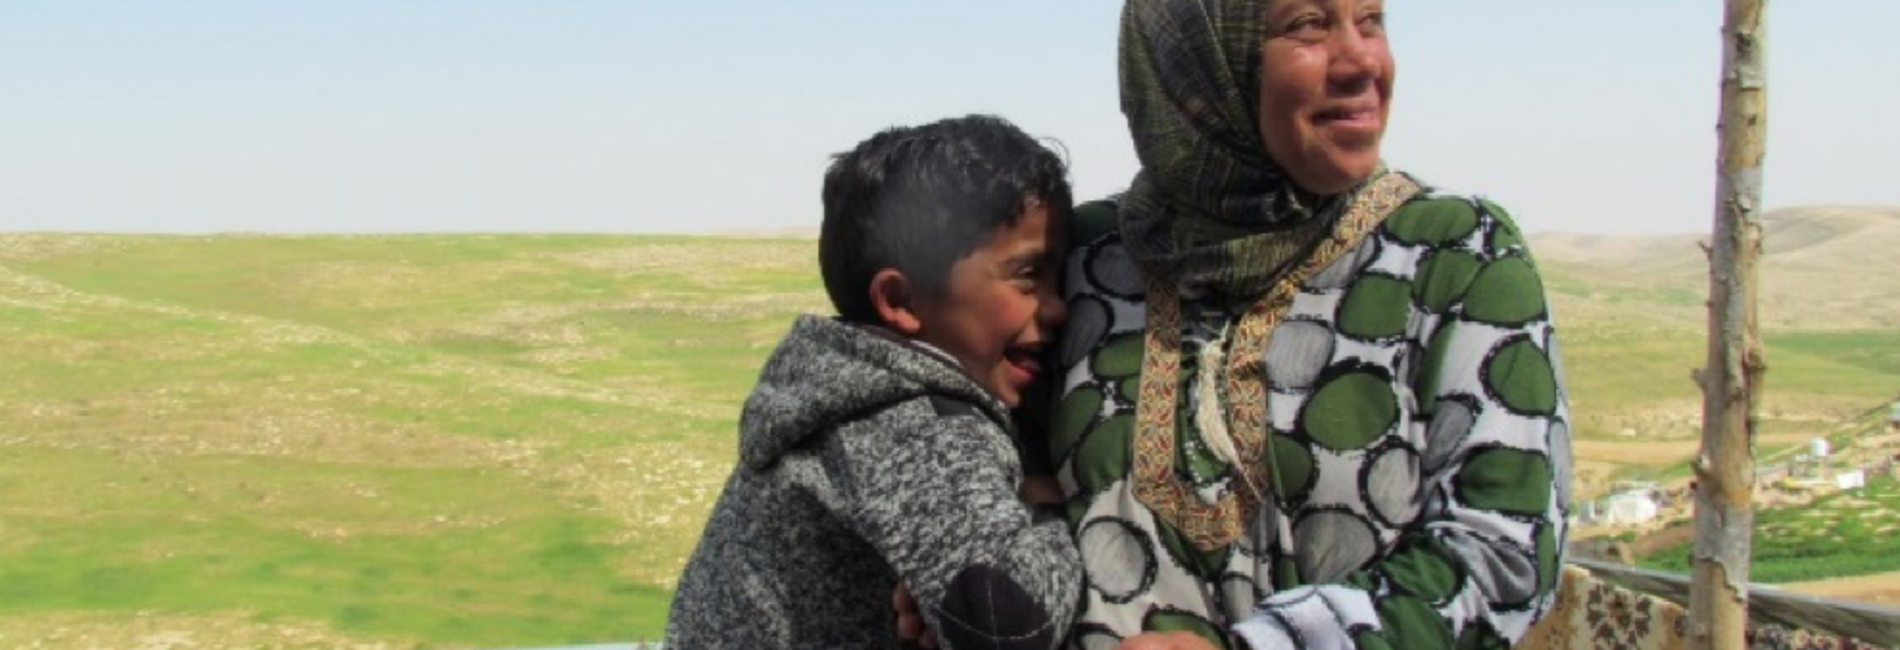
{"x": 1826, "y": 268}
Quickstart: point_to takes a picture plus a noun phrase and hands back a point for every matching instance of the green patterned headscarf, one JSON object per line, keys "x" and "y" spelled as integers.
{"x": 1209, "y": 207}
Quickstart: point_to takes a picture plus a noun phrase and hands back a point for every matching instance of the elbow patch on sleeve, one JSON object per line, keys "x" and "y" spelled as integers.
{"x": 985, "y": 609}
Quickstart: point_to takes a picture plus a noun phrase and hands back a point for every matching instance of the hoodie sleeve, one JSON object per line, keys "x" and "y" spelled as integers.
{"x": 1481, "y": 564}
{"x": 937, "y": 499}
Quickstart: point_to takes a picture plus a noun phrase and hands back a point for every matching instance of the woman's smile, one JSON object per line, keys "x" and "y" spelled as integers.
{"x": 1362, "y": 117}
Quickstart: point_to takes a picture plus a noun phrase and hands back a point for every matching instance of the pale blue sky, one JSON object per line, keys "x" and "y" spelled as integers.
{"x": 719, "y": 115}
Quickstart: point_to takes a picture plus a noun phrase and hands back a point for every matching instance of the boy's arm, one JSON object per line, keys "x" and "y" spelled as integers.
{"x": 939, "y": 502}
{"x": 1039, "y": 492}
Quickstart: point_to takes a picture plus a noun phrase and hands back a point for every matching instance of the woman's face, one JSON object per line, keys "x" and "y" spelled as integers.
{"x": 1325, "y": 90}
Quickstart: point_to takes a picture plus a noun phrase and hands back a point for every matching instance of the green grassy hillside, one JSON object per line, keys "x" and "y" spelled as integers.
{"x": 1840, "y": 534}
{"x": 440, "y": 441}
{"x": 1633, "y": 322}
{"x": 494, "y": 441}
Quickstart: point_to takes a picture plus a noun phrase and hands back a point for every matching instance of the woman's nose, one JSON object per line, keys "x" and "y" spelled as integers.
{"x": 1355, "y": 56}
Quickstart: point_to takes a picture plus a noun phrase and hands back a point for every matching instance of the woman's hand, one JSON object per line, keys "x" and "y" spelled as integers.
{"x": 1040, "y": 491}
{"x": 1167, "y": 641}
{"x": 912, "y": 631}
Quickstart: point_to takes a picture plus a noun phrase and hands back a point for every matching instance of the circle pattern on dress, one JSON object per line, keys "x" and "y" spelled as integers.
{"x": 1112, "y": 270}
{"x": 1424, "y": 568}
{"x": 1506, "y": 294}
{"x": 1510, "y": 570}
{"x": 1103, "y": 457}
{"x": 1505, "y": 239}
{"x": 1433, "y": 222}
{"x": 1096, "y": 637}
{"x": 1207, "y": 563}
{"x": 1432, "y": 370}
{"x": 1117, "y": 558}
{"x": 1560, "y": 439}
{"x": 1370, "y": 639}
{"x": 1392, "y": 485}
{"x": 1351, "y": 543}
{"x": 1547, "y": 559}
{"x": 1120, "y": 357}
{"x": 1350, "y": 410}
{"x": 1443, "y": 277}
{"x": 1341, "y": 272}
{"x": 1519, "y": 376}
{"x": 1450, "y": 426}
{"x": 1479, "y": 635}
{"x": 1162, "y": 619}
{"x": 1294, "y": 468}
{"x": 1376, "y": 307}
{"x": 1239, "y": 593}
{"x": 1073, "y": 416}
{"x": 1090, "y": 319}
{"x": 1490, "y": 476}
{"x": 1413, "y": 619}
{"x": 1300, "y": 350}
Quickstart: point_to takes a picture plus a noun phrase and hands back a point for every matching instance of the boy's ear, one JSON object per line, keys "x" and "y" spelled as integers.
{"x": 894, "y": 302}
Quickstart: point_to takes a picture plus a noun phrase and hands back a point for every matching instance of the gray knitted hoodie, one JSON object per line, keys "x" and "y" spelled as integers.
{"x": 864, "y": 460}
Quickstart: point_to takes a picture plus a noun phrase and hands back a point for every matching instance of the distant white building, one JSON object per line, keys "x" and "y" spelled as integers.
{"x": 1630, "y": 508}
{"x": 1851, "y": 480}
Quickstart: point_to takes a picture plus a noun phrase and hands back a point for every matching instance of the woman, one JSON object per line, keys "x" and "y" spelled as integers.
{"x": 1308, "y": 402}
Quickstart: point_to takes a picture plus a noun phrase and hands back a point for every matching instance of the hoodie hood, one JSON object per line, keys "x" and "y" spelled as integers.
{"x": 826, "y": 372}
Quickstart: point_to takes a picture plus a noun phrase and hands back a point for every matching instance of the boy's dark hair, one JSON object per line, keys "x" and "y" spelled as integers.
{"x": 918, "y": 199}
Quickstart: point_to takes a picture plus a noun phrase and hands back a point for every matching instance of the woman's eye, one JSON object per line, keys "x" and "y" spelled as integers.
{"x": 1310, "y": 28}
{"x": 1373, "y": 22}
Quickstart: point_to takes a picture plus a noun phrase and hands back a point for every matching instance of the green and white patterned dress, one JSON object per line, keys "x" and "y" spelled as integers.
{"x": 1416, "y": 465}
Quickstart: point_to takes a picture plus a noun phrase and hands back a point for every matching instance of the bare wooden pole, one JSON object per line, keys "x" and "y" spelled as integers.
{"x": 1732, "y": 380}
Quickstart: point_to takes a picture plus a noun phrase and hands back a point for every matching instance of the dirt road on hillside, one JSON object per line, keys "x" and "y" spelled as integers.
{"x": 1663, "y": 452}
{"x": 1881, "y": 589}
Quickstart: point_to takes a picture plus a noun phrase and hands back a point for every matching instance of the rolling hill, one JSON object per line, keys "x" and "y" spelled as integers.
{"x": 446, "y": 441}
{"x": 1823, "y": 268}
{"x": 486, "y": 441}
{"x": 1633, "y": 317}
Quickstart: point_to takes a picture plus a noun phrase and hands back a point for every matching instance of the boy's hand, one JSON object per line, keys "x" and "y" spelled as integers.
{"x": 1040, "y": 490}
{"x": 912, "y": 631}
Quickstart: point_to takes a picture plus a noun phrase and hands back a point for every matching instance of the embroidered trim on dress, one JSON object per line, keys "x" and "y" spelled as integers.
{"x": 1212, "y": 525}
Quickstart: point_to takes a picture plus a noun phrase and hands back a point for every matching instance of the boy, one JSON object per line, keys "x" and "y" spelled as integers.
{"x": 876, "y": 448}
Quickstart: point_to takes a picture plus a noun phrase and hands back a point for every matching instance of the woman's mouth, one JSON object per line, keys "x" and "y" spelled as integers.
{"x": 1353, "y": 118}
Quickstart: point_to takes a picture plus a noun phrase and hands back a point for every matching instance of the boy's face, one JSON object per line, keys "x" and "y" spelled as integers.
{"x": 1001, "y": 306}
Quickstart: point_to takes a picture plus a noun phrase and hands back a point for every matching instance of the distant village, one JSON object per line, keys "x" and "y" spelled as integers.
{"x": 1646, "y": 506}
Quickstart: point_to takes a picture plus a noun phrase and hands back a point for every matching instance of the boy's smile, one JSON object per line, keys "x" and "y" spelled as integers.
{"x": 1001, "y": 306}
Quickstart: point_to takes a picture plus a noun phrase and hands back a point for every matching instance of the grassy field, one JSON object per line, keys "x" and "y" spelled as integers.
{"x": 1842, "y": 534}
{"x": 492, "y": 441}
{"x": 460, "y": 441}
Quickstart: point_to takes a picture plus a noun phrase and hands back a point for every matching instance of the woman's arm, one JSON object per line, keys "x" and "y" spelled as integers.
{"x": 1481, "y": 563}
